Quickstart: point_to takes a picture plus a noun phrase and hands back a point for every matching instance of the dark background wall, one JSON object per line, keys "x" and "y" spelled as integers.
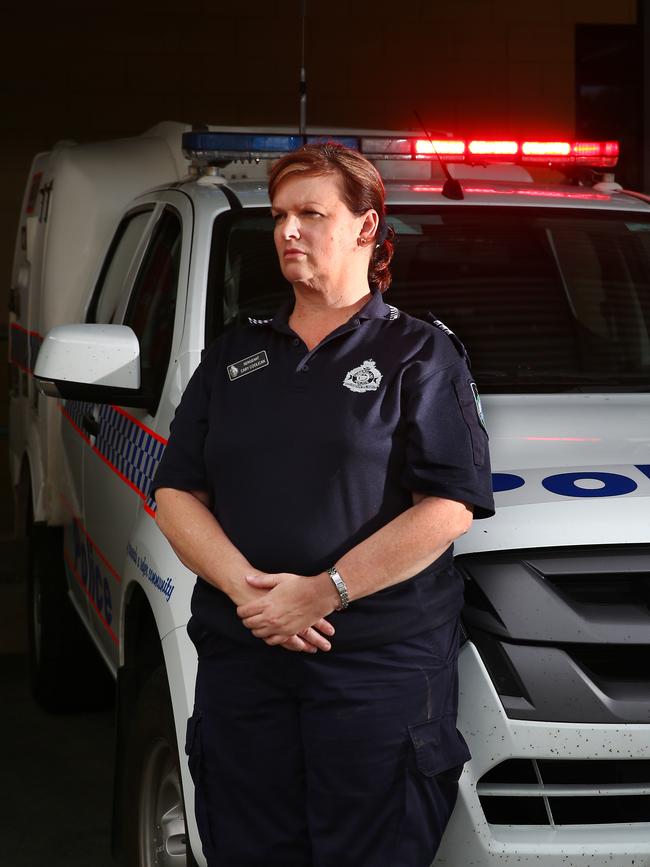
{"x": 107, "y": 68}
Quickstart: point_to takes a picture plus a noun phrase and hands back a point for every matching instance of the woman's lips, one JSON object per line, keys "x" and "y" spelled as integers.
{"x": 292, "y": 252}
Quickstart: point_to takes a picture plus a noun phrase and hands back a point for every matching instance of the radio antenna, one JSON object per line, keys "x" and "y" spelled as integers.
{"x": 451, "y": 189}
{"x": 302, "y": 87}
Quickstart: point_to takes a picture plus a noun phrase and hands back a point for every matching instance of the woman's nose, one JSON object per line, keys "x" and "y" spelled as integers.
{"x": 291, "y": 228}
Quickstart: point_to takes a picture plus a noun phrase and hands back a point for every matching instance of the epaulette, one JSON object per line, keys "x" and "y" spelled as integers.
{"x": 458, "y": 343}
{"x": 254, "y": 321}
{"x": 393, "y": 312}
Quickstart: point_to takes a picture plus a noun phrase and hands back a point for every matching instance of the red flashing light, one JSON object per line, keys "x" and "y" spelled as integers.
{"x": 546, "y": 148}
{"x": 447, "y": 147}
{"x": 586, "y": 149}
{"x": 601, "y": 153}
{"x": 495, "y": 148}
{"x": 589, "y": 153}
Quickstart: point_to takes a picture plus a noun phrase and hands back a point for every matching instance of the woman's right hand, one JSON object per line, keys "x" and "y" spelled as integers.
{"x": 310, "y": 640}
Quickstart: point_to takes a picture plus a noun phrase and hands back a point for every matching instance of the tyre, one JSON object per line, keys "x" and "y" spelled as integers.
{"x": 155, "y": 835}
{"x": 66, "y": 671}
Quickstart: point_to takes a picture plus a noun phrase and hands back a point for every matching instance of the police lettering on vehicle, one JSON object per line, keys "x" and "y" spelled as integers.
{"x": 92, "y": 577}
{"x": 579, "y": 483}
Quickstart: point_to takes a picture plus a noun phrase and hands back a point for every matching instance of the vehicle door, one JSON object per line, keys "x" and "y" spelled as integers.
{"x": 77, "y": 429}
{"x": 119, "y": 468}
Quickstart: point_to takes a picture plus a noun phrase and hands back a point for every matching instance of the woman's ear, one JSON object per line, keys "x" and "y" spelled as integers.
{"x": 369, "y": 227}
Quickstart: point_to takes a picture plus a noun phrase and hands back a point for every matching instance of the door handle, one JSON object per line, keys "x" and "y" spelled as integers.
{"x": 90, "y": 424}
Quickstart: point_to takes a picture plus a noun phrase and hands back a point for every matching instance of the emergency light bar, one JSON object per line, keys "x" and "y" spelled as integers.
{"x": 210, "y": 148}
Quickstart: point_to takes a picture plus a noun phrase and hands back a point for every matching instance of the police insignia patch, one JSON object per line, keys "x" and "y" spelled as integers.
{"x": 479, "y": 408}
{"x": 363, "y": 378}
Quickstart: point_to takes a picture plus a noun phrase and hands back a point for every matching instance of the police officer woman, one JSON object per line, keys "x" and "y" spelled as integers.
{"x": 319, "y": 468}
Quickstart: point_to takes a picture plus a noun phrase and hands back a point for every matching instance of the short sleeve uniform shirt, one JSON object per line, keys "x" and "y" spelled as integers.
{"x": 306, "y": 453}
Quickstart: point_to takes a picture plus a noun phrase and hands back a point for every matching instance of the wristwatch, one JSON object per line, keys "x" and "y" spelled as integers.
{"x": 340, "y": 585}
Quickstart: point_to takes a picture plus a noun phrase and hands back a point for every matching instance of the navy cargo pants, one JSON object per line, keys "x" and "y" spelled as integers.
{"x": 339, "y": 759}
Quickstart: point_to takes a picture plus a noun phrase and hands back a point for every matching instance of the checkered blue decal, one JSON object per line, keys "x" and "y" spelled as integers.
{"x": 76, "y": 409}
{"x": 127, "y": 446}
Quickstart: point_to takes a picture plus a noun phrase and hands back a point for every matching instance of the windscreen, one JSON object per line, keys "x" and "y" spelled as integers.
{"x": 544, "y": 300}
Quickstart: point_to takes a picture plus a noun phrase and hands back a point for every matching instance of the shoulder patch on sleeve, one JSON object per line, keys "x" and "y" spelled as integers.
{"x": 458, "y": 343}
{"x": 253, "y": 321}
{"x": 479, "y": 406}
{"x": 393, "y": 312}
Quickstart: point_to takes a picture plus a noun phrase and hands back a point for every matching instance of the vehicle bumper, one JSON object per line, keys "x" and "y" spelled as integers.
{"x": 470, "y": 841}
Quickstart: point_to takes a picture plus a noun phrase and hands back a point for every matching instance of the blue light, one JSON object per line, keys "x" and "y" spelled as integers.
{"x": 244, "y": 143}
{"x": 207, "y": 147}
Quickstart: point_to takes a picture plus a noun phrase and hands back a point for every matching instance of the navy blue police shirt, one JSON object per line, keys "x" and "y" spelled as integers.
{"x": 307, "y": 453}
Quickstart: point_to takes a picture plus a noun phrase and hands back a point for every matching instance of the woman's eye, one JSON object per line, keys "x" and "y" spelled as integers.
{"x": 276, "y": 217}
{"x": 313, "y": 213}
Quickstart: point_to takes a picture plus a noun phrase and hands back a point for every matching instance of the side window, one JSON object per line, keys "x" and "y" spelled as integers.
{"x": 153, "y": 303}
{"x": 244, "y": 277}
{"x": 116, "y": 266}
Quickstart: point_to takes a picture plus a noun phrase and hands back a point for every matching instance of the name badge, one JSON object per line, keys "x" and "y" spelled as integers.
{"x": 247, "y": 365}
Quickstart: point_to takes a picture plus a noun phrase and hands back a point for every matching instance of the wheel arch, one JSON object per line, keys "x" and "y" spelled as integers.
{"x": 141, "y": 645}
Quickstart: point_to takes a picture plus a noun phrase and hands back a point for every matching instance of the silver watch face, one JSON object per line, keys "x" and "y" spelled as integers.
{"x": 339, "y": 583}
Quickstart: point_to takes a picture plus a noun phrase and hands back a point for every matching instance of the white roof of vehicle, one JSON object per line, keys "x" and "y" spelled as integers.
{"x": 476, "y": 192}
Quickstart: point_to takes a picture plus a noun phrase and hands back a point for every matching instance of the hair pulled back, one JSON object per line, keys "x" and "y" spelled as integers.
{"x": 362, "y": 190}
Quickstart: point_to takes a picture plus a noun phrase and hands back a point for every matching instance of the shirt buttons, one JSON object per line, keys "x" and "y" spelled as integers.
{"x": 355, "y": 322}
{"x": 296, "y": 341}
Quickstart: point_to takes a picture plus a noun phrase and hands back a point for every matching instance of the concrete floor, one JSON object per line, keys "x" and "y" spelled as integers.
{"x": 56, "y": 769}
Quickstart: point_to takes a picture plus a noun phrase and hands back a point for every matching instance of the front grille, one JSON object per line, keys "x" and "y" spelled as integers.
{"x": 564, "y": 633}
{"x": 566, "y": 792}
{"x": 615, "y": 664}
{"x": 609, "y": 589}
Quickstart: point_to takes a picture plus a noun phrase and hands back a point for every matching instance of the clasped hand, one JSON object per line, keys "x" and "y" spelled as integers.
{"x": 292, "y": 612}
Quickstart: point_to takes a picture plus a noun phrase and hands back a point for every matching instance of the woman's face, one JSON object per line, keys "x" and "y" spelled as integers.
{"x": 316, "y": 235}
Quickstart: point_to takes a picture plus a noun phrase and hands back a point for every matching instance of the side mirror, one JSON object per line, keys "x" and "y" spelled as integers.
{"x": 95, "y": 363}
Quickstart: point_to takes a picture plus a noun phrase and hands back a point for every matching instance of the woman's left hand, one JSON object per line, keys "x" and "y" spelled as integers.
{"x": 293, "y": 604}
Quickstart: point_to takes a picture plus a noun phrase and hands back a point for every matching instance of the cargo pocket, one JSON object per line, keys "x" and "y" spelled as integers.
{"x": 439, "y": 748}
{"x": 436, "y": 754}
{"x": 469, "y": 404}
{"x": 195, "y": 759}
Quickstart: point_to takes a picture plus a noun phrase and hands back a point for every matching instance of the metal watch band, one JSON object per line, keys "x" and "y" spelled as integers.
{"x": 340, "y": 585}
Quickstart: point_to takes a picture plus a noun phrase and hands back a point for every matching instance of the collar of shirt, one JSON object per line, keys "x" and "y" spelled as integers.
{"x": 374, "y": 308}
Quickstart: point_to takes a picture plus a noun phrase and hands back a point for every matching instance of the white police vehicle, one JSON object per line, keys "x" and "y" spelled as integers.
{"x": 549, "y": 286}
